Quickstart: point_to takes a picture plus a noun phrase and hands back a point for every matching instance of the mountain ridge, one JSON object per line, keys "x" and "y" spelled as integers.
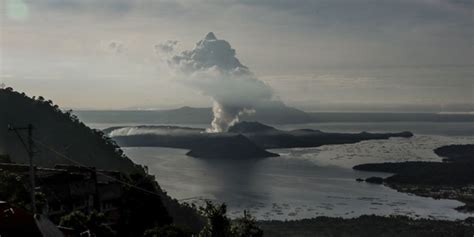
{"x": 56, "y": 130}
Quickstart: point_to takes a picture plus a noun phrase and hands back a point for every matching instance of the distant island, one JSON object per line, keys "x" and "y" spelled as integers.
{"x": 244, "y": 140}
{"x": 451, "y": 179}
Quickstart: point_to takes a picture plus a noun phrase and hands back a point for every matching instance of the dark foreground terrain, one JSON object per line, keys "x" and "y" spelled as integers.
{"x": 243, "y": 140}
{"x": 367, "y": 226}
{"x": 61, "y": 138}
{"x": 452, "y": 179}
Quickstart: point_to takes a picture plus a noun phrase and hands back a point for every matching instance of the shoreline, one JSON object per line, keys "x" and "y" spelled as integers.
{"x": 453, "y": 178}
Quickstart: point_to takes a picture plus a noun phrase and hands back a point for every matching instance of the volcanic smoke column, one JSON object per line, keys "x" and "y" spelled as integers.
{"x": 212, "y": 68}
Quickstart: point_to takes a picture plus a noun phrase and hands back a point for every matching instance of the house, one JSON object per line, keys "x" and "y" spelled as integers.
{"x": 69, "y": 188}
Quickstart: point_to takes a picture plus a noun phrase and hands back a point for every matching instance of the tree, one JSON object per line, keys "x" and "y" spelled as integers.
{"x": 92, "y": 222}
{"x": 167, "y": 231}
{"x": 141, "y": 210}
{"x": 246, "y": 226}
{"x": 13, "y": 190}
{"x": 218, "y": 224}
{"x": 5, "y": 159}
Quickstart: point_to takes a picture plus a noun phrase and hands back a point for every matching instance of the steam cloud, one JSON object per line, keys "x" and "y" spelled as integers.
{"x": 166, "y": 47}
{"x": 212, "y": 68}
{"x": 115, "y": 47}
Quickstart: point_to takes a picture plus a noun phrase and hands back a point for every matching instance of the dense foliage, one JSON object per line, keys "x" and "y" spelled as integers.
{"x": 62, "y": 132}
{"x": 13, "y": 190}
{"x": 167, "y": 231}
{"x": 93, "y": 223}
{"x": 219, "y": 225}
{"x": 141, "y": 210}
{"x": 456, "y": 153}
{"x": 367, "y": 226}
{"x": 458, "y": 170}
{"x": 58, "y": 130}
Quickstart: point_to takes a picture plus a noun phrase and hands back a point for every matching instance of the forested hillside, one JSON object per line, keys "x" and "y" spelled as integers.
{"x": 58, "y": 130}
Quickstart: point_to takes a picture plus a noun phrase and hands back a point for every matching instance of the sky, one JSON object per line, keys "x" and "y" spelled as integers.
{"x": 319, "y": 55}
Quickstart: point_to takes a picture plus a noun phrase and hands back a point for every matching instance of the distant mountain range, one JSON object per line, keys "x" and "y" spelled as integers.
{"x": 274, "y": 114}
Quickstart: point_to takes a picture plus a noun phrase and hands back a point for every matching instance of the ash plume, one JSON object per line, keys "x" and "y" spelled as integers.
{"x": 212, "y": 68}
{"x": 166, "y": 47}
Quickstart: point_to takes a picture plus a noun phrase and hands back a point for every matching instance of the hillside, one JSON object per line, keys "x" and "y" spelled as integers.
{"x": 64, "y": 133}
{"x": 58, "y": 130}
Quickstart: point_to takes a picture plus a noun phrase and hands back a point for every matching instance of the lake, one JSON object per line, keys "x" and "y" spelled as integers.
{"x": 309, "y": 182}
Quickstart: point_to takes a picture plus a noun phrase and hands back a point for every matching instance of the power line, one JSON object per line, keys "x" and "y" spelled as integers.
{"x": 93, "y": 170}
{"x": 29, "y": 148}
{"x": 105, "y": 175}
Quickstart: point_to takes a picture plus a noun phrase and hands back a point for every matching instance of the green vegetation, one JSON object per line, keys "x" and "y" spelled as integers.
{"x": 5, "y": 159}
{"x": 456, "y": 153}
{"x": 93, "y": 223}
{"x": 432, "y": 173}
{"x": 246, "y": 226}
{"x": 58, "y": 130}
{"x": 452, "y": 179}
{"x": 458, "y": 171}
{"x": 219, "y": 225}
{"x": 367, "y": 226}
{"x": 62, "y": 132}
{"x": 140, "y": 210}
{"x": 13, "y": 190}
{"x": 167, "y": 231}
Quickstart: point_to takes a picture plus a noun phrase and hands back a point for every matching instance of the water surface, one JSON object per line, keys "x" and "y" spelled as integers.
{"x": 309, "y": 182}
{"x": 302, "y": 183}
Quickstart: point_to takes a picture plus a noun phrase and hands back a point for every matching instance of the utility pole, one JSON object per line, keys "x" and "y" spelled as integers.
{"x": 29, "y": 148}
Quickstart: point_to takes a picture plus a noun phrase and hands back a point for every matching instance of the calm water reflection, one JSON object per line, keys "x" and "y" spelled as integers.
{"x": 286, "y": 187}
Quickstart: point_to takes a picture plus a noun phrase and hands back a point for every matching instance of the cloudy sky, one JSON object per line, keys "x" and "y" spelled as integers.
{"x": 316, "y": 54}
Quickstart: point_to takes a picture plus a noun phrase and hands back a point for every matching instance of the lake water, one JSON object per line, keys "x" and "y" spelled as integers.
{"x": 310, "y": 182}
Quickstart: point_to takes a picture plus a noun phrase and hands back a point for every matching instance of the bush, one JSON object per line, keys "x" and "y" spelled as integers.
{"x": 167, "y": 231}
{"x": 94, "y": 223}
{"x": 219, "y": 225}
